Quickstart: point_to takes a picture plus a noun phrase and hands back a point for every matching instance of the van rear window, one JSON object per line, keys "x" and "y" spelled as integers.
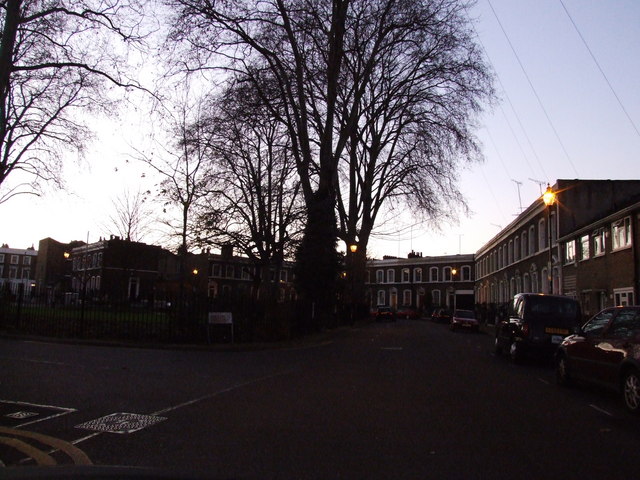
{"x": 559, "y": 307}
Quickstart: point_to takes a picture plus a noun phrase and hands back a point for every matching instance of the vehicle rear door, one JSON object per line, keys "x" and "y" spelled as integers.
{"x": 619, "y": 339}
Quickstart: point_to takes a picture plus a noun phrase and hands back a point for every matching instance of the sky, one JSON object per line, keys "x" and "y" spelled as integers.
{"x": 569, "y": 107}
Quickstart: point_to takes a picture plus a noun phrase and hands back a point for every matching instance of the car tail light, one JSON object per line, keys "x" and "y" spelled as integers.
{"x": 525, "y": 329}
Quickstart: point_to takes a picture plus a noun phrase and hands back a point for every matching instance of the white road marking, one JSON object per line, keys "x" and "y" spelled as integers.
{"x": 62, "y": 410}
{"x": 598, "y": 409}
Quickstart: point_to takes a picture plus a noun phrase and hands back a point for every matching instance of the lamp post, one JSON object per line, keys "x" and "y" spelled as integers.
{"x": 353, "y": 248}
{"x": 549, "y": 198}
{"x": 454, "y": 272}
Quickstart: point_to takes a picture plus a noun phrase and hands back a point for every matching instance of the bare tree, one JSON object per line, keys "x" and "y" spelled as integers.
{"x": 417, "y": 80}
{"x": 256, "y": 204}
{"x": 329, "y": 61}
{"x": 56, "y": 59}
{"x": 131, "y": 217}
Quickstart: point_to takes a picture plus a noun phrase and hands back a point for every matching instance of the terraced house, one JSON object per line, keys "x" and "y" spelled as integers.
{"x": 580, "y": 244}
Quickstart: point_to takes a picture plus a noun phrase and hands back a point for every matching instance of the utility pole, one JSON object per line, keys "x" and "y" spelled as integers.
{"x": 518, "y": 185}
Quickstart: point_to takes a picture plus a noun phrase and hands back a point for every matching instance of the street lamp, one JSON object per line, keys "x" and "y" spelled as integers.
{"x": 549, "y": 198}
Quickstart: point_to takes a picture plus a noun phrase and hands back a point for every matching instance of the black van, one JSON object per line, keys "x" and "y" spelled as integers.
{"x": 536, "y": 324}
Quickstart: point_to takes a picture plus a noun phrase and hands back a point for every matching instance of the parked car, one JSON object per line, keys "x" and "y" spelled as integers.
{"x": 441, "y": 315}
{"x": 385, "y": 314}
{"x": 605, "y": 351}
{"x": 465, "y": 319}
{"x": 408, "y": 312}
{"x": 536, "y": 325}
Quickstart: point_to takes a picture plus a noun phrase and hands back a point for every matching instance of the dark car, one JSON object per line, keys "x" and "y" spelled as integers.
{"x": 465, "y": 319}
{"x": 605, "y": 351}
{"x": 407, "y": 312}
{"x": 385, "y": 314}
{"x": 536, "y": 325}
{"x": 441, "y": 315}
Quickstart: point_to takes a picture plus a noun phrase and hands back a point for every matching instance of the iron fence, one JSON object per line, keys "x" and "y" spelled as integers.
{"x": 169, "y": 320}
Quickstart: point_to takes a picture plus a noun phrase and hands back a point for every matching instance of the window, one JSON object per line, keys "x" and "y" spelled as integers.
{"x": 447, "y": 274}
{"x": 523, "y": 244}
{"x": 379, "y": 276}
{"x": 532, "y": 240}
{"x": 26, "y": 260}
{"x": 542, "y": 241}
{"x": 391, "y": 275}
{"x": 466, "y": 273}
{"x": 435, "y": 297}
{"x": 26, "y": 272}
{"x": 417, "y": 275}
{"x": 283, "y": 275}
{"x": 229, "y": 271}
{"x": 215, "y": 270}
{"x": 623, "y": 296}
{"x": 381, "y": 297}
{"x": 433, "y": 274}
{"x": 510, "y": 253}
{"x": 14, "y": 260}
{"x": 584, "y": 247}
{"x": 598, "y": 242}
{"x": 516, "y": 249}
{"x": 406, "y": 297}
{"x": 627, "y": 322}
{"x": 1, "y": 257}
{"x": 597, "y": 324}
{"x": 621, "y": 233}
{"x": 406, "y": 276}
{"x": 13, "y": 272}
{"x": 570, "y": 252}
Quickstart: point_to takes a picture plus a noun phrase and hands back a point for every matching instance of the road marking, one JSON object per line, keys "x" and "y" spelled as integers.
{"x": 16, "y": 415}
{"x": 598, "y": 409}
{"x": 122, "y": 423}
{"x": 77, "y": 456}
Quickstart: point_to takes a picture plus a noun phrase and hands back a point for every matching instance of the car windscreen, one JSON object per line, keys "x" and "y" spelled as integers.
{"x": 465, "y": 314}
{"x": 563, "y": 311}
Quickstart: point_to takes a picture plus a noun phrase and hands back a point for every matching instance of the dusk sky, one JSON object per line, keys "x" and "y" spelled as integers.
{"x": 567, "y": 76}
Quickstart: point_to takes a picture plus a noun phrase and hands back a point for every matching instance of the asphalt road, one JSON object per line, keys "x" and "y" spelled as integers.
{"x": 401, "y": 400}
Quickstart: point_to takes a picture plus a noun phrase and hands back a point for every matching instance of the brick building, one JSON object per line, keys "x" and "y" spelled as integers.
{"x": 533, "y": 253}
{"x": 17, "y": 268}
{"x": 421, "y": 282}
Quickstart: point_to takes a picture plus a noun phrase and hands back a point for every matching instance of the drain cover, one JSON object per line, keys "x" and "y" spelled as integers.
{"x": 121, "y": 423}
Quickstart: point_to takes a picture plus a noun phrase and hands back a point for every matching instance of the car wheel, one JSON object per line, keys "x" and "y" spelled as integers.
{"x": 514, "y": 352}
{"x": 631, "y": 390}
{"x": 562, "y": 372}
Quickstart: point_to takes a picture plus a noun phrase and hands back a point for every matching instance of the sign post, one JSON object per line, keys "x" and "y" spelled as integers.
{"x": 219, "y": 318}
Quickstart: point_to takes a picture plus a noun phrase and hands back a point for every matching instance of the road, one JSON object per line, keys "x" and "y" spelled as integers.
{"x": 408, "y": 399}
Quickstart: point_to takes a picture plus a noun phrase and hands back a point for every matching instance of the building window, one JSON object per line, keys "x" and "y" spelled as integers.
{"x": 14, "y": 260}
{"x": 524, "y": 245}
{"x": 406, "y": 297}
{"x": 570, "y": 252}
{"x": 465, "y": 273}
{"x": 26, "y": 272}
{"x": 215, "y": 270}
{"x": 1, "y": 257}
{"x": 379, "y": 276}
{"x": 26, "y": 260}
{"x": 542, "y": 241}
{"x": 229, "y": 271}
{"x": 510, "y": 253}
{"x": 417, "y": 275}
{"x": 435, "y": 297}
{"x": 391, "y": 275}
{"x": 623, "y": 297}
{"x": 433, "y": 274}
{"x": 516, "y": 249}
{"x": 406, "y": 275}
{"x": 381, "y": 297}
{"x": 598, "y": 242}
{"x": 532, "y": 240}
{"x": 621, "y": 233}
{"x": 13, "y": 272}
{"x": 584, "y": 247}
{"x": 446, "y": 274}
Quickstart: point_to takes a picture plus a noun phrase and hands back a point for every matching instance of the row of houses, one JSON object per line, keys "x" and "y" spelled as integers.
{"x": 584, "y": 243}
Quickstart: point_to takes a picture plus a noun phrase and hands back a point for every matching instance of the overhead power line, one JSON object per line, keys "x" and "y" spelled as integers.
{"x": 524, "y": 71}
{"x": 595, "y": 60}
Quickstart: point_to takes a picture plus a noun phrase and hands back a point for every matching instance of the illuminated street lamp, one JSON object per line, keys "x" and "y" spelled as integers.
{"x": 353, "y": 248}
{"x": 549, "y": 198}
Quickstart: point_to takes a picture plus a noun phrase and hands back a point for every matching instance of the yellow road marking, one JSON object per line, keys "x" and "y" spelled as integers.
{"x": 77, "y": 455}
{"x": 39, "y": 456}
